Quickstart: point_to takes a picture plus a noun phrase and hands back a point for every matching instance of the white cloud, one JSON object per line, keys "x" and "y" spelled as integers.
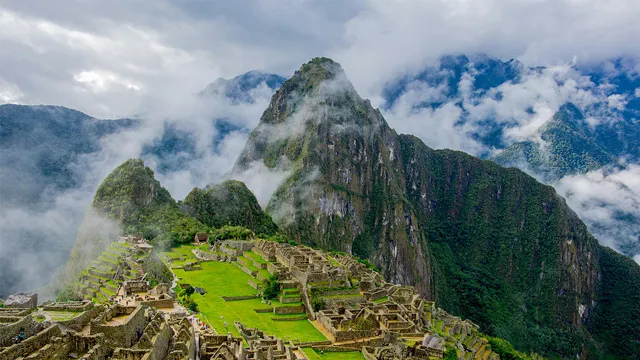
{"x": 600, "y": 197}
{"x": 9, "y": 93}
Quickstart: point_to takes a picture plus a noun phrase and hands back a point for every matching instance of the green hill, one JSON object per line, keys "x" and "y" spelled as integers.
{"x": 228, "y": 203}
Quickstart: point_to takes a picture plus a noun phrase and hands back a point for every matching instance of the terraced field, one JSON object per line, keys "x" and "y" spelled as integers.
{"x": 220, "y": 279}
{"x": 96, "y": 282}
{"x": 331, "y": 355}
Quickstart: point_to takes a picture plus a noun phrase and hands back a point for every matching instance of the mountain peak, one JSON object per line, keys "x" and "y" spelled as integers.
{"x": 317, "y": 102}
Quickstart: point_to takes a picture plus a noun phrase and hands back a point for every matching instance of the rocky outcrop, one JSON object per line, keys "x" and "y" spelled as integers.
{"x": 489, "y": 243}
{"x": 22, "y": 300}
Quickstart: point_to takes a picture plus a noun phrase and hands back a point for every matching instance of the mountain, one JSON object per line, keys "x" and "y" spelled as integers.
{"x": 242, "y": 87}
{"x": 130, "y": 201}
{"x": 506, "y": 112}
{"x": 573, "y": 148}
{"x": 488, "y": 243}
{"x": 39, "y": 142}
{"x": 228, "y": 203}
{"x": 43, "y": 152}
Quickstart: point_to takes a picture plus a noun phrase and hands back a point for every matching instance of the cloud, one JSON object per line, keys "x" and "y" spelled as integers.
{"x": 144, "y": 59}
{"x": 52, "y": 223}
{"x": 263, "y": 181}
{"x": 608, "y": 200}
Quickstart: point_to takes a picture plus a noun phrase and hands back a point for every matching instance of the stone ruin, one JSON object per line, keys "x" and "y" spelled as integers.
{"x": 22, "y": 300}
{"x": 201, "y": 238}
{"x": 117, "y": 332}
{"x": 261, "y": 346}
{"x": 135, "y": 286}
{"x": 361, "y": 307}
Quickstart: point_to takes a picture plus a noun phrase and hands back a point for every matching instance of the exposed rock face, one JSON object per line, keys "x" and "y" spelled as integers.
{"x": 22, "y": 300}
{"x": 488, "y": 243}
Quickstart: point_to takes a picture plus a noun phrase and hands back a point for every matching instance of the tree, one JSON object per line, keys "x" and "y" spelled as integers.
{"x": 189, "y": 290}
{"x": 68, "y": 294}
{"x": 451, "y": 354}
{"x": 272, "y": 289}
{"x": 317, "y": 304}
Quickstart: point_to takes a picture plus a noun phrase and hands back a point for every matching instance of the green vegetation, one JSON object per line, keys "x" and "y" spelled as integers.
{"x": 227, "y": 232}
{"x": 271, "y": 289}
{"x": 228, "y": 203}
{"x": 61, "y": 315}
{"x": 224, "y": 279}
{"x": 616, "y": 322}
{"x": 506, "y": 350}
{"x": 452, "y": 354}
{"x": 68, "y": 294}
{"x": 332, "y": 355}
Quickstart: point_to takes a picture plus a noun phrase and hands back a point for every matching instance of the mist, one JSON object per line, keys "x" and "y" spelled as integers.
{"x": 36, "y": 239}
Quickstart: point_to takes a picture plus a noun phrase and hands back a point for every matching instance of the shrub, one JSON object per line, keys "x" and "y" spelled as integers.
{"x": 317, "y": 304}
{"x": 231, "y": 232}
{"x": 190, "y": 304}
{"x": 451, "y": 354}
{"x": 68, "y": 294}
{"x": 272, "y": 289}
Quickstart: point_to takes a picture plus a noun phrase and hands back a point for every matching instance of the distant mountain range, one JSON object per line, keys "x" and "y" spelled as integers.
{"x": 501, "y": 110}
{"x": 485, "y": 242}
{"x": 40, "y": 149}
{"x": 41, "y": 144}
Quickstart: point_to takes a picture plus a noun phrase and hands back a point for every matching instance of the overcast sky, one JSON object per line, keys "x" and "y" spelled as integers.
{"x": 119, "y": 58}
{"x": 115, "y": 58}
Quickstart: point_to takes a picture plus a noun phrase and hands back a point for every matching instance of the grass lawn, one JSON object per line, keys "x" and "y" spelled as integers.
{"x": 224, "y": 279}
{"x": 62, "y": 315}
{"x": 333, "y": 355}
{"x": 255, "y": 257}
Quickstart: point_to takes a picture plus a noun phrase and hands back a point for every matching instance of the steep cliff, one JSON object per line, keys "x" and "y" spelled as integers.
{"x": 488, "y": 243}
{"x": 228, "y": 203}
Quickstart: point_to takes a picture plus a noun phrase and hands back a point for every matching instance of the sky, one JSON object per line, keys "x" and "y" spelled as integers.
{"x": 113, "y": 59}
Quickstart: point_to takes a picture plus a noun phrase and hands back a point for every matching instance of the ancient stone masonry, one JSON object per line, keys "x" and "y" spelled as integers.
{"x": 359, "y": 306}
{"x": 116, "y": 332}
{"x": 350, "y": 303}
{"x": 135, "y": 286}
{"x": 15, "y": 321}
{"x": 261, "y": 346}
{"x": 73, "y": 306}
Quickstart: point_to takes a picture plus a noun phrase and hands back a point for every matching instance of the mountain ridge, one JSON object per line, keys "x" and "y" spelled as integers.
{"x": 421, "y": 215}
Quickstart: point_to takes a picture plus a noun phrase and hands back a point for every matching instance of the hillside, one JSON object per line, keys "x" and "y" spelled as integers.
{"x": 481, "y": 240}
{"x": 229, "y": 202}
{"x": 130, "y": 200}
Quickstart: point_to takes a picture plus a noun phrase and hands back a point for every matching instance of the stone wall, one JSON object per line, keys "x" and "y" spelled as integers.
{"x": 123, "y": 334}
{"x": 346, "y": 301}
{"x": 10, "y": 327}
{"x": 159, "y": 304}
{"x": 73, "y": 306}
{"x": 350, "y": 335}
{"x": 288, "y": 310}
{"x": 83, "y": 319}
{"x": 31, "y": 344}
